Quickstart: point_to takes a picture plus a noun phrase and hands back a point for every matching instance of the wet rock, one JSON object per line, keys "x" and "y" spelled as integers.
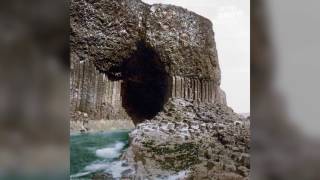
{"x": 126, "y": 173}
{"x": 104, "y": 176}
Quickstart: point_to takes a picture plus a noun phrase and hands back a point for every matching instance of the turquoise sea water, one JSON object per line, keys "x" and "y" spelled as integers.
{"x": 97, "y": 152}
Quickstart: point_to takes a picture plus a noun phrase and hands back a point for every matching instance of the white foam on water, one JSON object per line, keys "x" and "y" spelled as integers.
{"x": 111, "y": 152}
{"x": 116, "y": 169}
{"x": 79, "y": 174}
{"x": 96, "y": 167}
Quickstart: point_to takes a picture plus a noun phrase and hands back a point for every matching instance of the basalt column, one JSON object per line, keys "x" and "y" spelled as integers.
{"x": 93, "y": 92}
{"x": 128, "y": 58}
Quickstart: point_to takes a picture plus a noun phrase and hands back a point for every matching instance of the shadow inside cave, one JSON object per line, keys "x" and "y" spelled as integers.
{"x": 146, "y": 85}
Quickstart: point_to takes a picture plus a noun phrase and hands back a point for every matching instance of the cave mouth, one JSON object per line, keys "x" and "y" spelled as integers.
{"x": 145, "y": 87}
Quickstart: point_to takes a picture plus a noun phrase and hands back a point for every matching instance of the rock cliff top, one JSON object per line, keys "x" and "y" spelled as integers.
{"x": 111, "y": 32}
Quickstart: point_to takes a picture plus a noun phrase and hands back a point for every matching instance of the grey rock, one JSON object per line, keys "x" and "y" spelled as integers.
{"x": 179, "y": 151}
{"x": 188, "y": 123}
{"x": 107, "y": 34}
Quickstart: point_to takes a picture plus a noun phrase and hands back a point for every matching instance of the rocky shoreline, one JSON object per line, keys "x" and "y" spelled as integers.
{"x": 190, "y": 141}
{"x": 81, "y": 123}
{"x": 158, "y": 66}
{"x": 186, "y": 141}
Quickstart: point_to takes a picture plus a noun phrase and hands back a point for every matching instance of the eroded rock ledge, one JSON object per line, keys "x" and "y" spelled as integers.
{"x": 203, "y": 141}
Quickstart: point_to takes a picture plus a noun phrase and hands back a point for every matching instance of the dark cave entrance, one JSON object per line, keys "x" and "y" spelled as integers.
{"x": 146, "y": 86}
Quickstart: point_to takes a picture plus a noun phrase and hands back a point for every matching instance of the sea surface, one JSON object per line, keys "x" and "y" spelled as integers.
{"x": 97, "y": 152}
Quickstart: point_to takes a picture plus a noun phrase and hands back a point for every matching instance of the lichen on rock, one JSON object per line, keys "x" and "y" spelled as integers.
{"x": 204, "y": 138}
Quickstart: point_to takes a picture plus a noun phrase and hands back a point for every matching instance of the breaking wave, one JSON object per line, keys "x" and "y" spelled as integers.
{"x": 87, "y": 148}
{"x": 111, "y": 152}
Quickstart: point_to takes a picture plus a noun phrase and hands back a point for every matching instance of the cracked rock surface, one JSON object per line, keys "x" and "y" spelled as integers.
{"x": 108, "y": 44}
{"x": 108, "y": 32}
{"x": 206, "y": 141}
{"x": 194, "y": 135}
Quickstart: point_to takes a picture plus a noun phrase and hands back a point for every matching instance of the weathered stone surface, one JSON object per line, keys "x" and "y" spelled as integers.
{"x": 157, "y": 65}
{"x": 108, "y": 32}
{"x": 184, "y": 41}
{"x": 202, "y": 140}
{"x": 109, "y": 40}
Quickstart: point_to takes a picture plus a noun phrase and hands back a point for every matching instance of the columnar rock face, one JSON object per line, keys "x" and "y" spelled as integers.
{"x": 93, "y": 93}
{"x": 111, "y": 41}
{"x": 157, "y": 65}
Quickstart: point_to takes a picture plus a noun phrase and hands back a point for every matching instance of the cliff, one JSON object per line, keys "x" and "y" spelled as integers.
{"x": 127, "y": 55}
{"x": 157, "y": 65}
